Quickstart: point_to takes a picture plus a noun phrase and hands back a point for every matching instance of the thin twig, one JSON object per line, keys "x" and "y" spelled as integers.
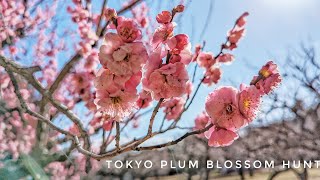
{"x": 175, "y": 141}
{"x": 154, "y": 113}
{"x": 118, "y": 135}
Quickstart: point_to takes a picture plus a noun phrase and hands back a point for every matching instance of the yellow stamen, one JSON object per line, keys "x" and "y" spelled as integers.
{"x": 246, "y": 103}
{"x": 265, "y": 73}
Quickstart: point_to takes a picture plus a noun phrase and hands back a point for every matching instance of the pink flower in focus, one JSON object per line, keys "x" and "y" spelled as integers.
{"x": 173, "y": 107}
{"x": 212, "y": 75}
{"x": 128, "y": 29}
{"x": 116, "y": 104}
{"x": 235, "y": 35}
{"x": 206, "y": 60}
{"x": 269, "y": 69}
{"x": 116, "y": 95}
{"x": 111, "y": 42}
{"x": 225, "y": 58}
{"x": 220, "y": 137}
{"x": 161, "y": 34}
{"x": 126, "y": 59}
{"x": 144, "y": 99}
{"x": 269, "y": 77}
{"x": 271, "y": 82}
{"x": 249, "y": 101}
{"x": 222, "y": 106}
{"x": 105, "y": 79}
{"x": 180, "y": 49}
{"x": 164, "y": 17}
{"x": 178, "y": 42}
{"x": 168, "y": 81}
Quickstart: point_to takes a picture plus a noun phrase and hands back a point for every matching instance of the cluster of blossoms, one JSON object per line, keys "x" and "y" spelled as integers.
{"x": 236, "y": 33}
{"x": 211, "y": 66}
{"x": 211, "y": 63}
{"x": 82, "y": 78}
{"x": 82, "y": 17}
{"x": 122, "y": 57}
{"x": 16, "y": 21}
{"x": 173, "y": 107}
{"x": 13, "y": 121}
{"x": 167, "y": 78}
{"x": 230, "y": 109}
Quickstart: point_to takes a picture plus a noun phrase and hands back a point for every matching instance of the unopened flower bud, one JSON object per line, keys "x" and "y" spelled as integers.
{"x": 110, "y": 14}
{"x": 179, "y": 8}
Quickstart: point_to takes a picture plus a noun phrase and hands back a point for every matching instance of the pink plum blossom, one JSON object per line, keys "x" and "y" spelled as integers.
{"x": 180, "y": 49}
{"x": 164, "y": 17}
{"x": 161, "y": 34}
{"x": 206, "y": 60}
{"x": 220, "y": 137}
{"x": 116, "y": 95}
{"x": 212, "y": 75}
{"x": 249, "y": 101}
{"x": 268, "y": 69}
{"x": 222, "y": 106}
{"x": 225, "y": 58}
{"x": 118, "y": 104}
{"x": 269, "y": 78}
{"x": 173, "y": 107}
{"x": 122, "y": 58}
{"x": 168, "y": 81}
{"x": 144, "y": 100}
{"x": 127, "y": 29}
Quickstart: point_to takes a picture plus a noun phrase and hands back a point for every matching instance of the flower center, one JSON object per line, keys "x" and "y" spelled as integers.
{"x": 127, "y": 57}
{"x": 126, "y": 32}
{"x": 265, "y": 73}
{"x": 246, "y": 103}
{"x": 115, "y": 100}
{"x": 229, "y": 109}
